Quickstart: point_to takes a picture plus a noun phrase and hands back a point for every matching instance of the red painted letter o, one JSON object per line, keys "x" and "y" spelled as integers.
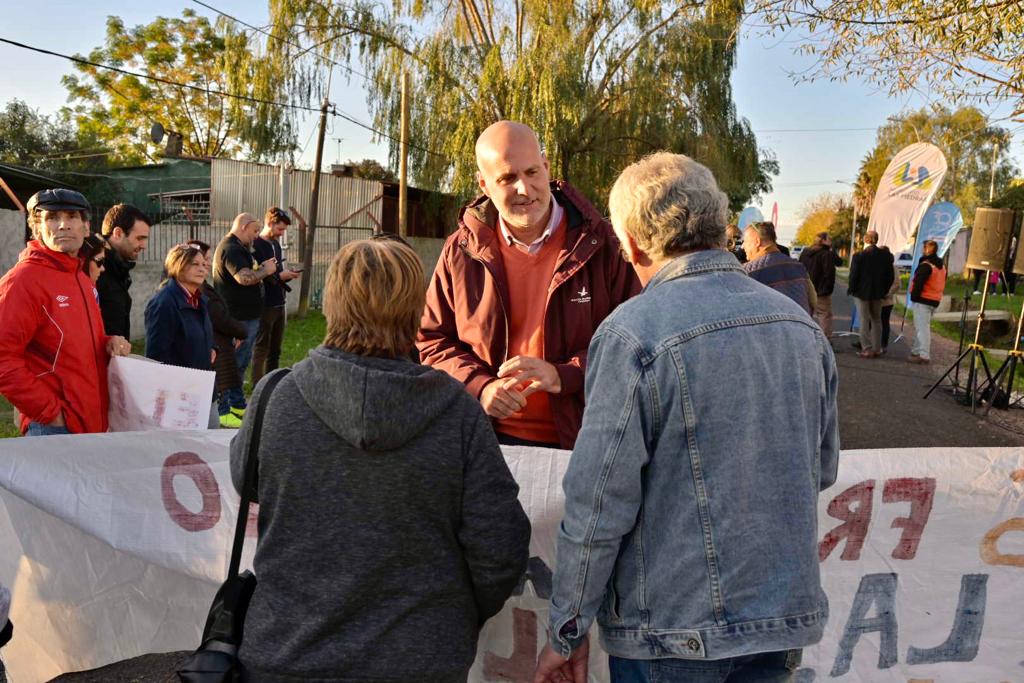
{"x": 193, "y": 467}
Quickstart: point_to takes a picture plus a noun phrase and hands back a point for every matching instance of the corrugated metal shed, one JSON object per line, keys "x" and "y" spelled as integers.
{"x": 238, "y": 186}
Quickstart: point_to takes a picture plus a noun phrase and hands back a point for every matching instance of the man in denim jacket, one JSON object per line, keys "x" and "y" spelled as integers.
{"x": 690, "y": 527}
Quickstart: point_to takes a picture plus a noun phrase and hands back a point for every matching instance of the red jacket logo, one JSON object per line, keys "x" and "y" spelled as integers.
{"x": 62, "y": 300}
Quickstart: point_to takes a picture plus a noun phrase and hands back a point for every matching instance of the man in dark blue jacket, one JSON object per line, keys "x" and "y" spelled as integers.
{"x": 871, "y": 277}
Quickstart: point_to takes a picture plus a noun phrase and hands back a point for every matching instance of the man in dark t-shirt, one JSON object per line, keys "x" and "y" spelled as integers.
{"x": 267, "y": 351}
{"x": 238, "y": 278}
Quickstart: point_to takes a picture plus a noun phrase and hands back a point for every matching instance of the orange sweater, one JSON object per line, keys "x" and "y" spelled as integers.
{"x": 529, "y": 276}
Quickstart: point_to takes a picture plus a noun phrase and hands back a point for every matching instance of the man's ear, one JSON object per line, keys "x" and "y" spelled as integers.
{"x": 482, "y": 183}
{"x": 635, "y": 254}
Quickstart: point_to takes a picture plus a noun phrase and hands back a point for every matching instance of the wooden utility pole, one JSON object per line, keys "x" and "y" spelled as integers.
{"x": 403, "y": 164}
{"x": 314, "y": 201}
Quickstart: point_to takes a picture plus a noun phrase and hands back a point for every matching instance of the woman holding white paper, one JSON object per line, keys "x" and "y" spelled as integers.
{"x": 178, "y": 328}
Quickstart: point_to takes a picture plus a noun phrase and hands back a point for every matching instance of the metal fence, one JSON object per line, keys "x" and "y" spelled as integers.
{"x": 183, "y": 221}
{"x": 325, "y": 245}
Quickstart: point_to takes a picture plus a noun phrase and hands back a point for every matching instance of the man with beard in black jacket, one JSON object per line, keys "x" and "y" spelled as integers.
{"x": 126, "y": 232}
{"x": 820, "y": 262}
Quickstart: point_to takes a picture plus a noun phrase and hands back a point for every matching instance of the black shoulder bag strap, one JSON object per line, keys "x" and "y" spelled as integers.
{"x": 251, "y": 466}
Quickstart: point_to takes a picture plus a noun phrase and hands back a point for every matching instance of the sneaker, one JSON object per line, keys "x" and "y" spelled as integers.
{"x": 919, "y": 360}
{"x": 230, "y": 421}
{"x": 238, "y": 412}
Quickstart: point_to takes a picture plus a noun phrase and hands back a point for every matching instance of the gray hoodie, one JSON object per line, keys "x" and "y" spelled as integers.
{"x": 389, "y": 524}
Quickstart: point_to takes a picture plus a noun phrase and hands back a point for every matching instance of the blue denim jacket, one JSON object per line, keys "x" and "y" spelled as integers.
{"x": 690, "y": 525}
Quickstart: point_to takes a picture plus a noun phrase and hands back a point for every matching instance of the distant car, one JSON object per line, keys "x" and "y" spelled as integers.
{"x": 795, "y": 252}
{"x": 905, "y": 261}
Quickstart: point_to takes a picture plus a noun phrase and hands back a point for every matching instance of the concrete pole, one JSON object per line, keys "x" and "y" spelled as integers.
{"x": 403, "y": 165}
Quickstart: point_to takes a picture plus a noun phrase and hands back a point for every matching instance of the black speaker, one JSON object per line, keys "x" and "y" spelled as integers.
{"x": 990, "y": 239}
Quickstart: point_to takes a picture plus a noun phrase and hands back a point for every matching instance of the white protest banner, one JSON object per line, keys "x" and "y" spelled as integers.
{"x": 148, "y": 395}
{"x": 113, "y": 546}
{"x": 906, "y": 189}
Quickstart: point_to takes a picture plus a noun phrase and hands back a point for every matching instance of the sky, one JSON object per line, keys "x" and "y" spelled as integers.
{"x": 819, "y": 131}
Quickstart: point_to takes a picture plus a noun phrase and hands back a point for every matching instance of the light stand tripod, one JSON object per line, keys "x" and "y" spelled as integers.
{"x": 1008, "y": 368}
{"x": 977, "y": 356}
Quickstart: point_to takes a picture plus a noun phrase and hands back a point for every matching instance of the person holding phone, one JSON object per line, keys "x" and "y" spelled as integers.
{"x": 267, "y": 352}
{"x": 238, "y": 277}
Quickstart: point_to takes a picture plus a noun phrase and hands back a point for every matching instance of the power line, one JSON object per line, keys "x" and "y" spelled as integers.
{"x": 158, "y": 79}
{"x": 812, "y": 130}
{"x": 279, "y": 38}
{"x": 219, "y": 93}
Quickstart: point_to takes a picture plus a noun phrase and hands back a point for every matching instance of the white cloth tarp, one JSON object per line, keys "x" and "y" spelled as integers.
{"x": 147, "y": 395}
{"x": 114, "y": 544}
{"x": 906, "y": 189}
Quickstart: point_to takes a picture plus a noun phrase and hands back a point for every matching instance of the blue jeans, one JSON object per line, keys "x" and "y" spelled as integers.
{"x": 243, "y": 354}
{"x": 36, "y": 429}
{"x": 235, "y": 397}
{"x": 767, "y": 667}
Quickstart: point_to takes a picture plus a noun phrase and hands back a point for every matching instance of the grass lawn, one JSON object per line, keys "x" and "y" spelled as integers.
{"x": 299, "y": 337}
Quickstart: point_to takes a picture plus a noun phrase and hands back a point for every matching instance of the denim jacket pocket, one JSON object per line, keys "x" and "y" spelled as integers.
{"x": 683, "y": 643}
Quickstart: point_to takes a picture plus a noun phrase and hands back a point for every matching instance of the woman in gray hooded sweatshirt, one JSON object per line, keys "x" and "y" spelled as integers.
{"x": 389, "y": 524}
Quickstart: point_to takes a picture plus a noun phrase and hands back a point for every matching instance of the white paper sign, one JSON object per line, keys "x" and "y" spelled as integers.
{"x": 114, "y": 544}
{"x": 146, "y": 395}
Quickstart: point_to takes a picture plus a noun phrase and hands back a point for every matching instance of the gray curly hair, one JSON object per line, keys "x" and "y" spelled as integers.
{"x": 669, "y": 204}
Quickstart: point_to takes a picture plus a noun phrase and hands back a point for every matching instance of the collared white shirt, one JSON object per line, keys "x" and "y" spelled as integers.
{"x": 557, "y": 212}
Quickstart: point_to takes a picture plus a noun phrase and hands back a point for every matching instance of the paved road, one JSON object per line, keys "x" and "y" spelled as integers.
{"x": 880, "y": 407}
{"x": 880, "y": 399}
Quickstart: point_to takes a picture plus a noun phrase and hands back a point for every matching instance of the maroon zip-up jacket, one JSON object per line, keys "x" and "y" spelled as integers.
{"x": 464, "y": 330}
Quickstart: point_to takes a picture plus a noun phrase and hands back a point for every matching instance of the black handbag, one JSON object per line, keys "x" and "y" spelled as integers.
{"x": 216, "y": 660}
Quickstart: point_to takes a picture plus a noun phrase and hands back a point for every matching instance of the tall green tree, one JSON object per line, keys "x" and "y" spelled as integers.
{"x": 832, "y": 214}
{"x": 603, "y": 82}
{"x": 214, "y": 57}
{"x": 977, "y": 154}
{"x": 48, "y": 143}
{"x": 966, "y": 51}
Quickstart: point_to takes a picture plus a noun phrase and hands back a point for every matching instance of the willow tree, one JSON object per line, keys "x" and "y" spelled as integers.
{"x": 966, "y": 51}
{"x": 182, "y": 65}
{"x": 603, "y": 82}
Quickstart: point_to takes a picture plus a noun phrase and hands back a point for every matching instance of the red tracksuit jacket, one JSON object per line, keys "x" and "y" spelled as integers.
{"x": 52, "y": 345}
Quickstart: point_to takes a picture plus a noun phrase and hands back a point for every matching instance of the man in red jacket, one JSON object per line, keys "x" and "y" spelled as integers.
{"x": 53, "y": 351}
{"x": 519, "y": 290}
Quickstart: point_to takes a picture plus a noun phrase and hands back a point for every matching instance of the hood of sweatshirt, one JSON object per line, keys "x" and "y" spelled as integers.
{"x": 376, "y": 404}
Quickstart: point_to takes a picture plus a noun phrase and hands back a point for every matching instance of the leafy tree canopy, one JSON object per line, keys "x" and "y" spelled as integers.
{"x": 966, "y": 51}
{"x": 603, "y": 82}
{"x": 371, "y": 169}
{"x": 46, "y": 143}
{"x": 828, "y": 213}
{"x": 120, "y": 109}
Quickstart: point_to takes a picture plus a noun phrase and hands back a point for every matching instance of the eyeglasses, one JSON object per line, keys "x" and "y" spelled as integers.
{"x": 99, "y": 261}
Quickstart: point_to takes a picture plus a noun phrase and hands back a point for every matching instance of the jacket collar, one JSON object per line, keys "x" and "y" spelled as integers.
{"x": 694, "y": 263}
{"x": 37, "y": 252}
{"x": 181, "y": 297}
{"x": 116, "y": 265}
{"x": 478, "y": 221}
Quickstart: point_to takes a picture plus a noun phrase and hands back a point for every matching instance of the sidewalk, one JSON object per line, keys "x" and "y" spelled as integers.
{"x": 880, "y": 402}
